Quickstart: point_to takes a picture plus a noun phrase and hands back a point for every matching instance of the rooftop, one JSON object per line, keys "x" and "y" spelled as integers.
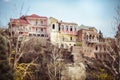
{"x": 35, "y": 16}
{"x": 19, "y": 21}
{"x": 69, "y": 23}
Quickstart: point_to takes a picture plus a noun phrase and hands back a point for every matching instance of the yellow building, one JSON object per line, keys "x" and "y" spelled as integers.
{"x": 62, "y": 34}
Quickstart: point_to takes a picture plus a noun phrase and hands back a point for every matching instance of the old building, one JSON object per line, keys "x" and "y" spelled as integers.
{"x": 30, "y": 25}
{"x": 103, "y": 49}
{"x": 81, "y": 39}
{"x": 88, "y": 37}
{"x": 63, "y": 34}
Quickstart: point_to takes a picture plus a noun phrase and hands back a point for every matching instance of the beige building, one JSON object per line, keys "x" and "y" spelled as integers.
{"x": 62, "y": 34}
{"x": 90, "y": 43}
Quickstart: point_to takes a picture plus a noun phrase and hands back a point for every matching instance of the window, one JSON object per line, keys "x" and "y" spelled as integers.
{"x": 34, "y": 34}
{"x": 36, "y": 21}
{"x": 96, "y": 47}
{"x": 62, "y": 45}
{"x": 59, "y": 28}
{"x": 87, "y": 37}
{"x": 42, "y": 29}
{"x": 90, "y": 37}
{"x": 66, "y": 28}
{"x": 75, "y": 28}
{"x": 41, "y": 22}
{"x": 104, "y": 48}
{"x": 53, "y": 26}
{"x": 62, "y": 27}
{"x": 71, "y": 38}
{"x": 38, "y": 35}
{"x": 71, "y": 28}
{"x": 46, "y": 35}
{"x": 93, "y": 37}
{"x": 42, "y": 35}
{"x": 96, "y": 56}
{"x": 20, "y": 32}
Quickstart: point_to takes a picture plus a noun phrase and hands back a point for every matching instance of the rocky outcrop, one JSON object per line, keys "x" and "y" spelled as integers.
{"x": 74, "y": 72}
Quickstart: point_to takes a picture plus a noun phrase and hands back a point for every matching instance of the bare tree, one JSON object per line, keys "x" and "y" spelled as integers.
{"x": 112, "y": 62}
{"x": 55, "y": 64}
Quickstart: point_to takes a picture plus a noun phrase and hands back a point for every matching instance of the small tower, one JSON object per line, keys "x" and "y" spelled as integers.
{"x": 53, "y": 30}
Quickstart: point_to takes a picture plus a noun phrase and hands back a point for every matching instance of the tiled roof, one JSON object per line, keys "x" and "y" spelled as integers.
{"x": 23, "y": 19}
{"x": 19, "y": 21}
{"x": 35, "y": 16}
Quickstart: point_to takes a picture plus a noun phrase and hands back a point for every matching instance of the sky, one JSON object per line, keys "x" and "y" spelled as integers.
{"x": 95, "y": 13}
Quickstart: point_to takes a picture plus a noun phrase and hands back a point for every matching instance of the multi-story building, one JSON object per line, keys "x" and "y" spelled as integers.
{"x": 32, "y": 25}
{"x": 103, "y": 49}
{"x": 88, "y": 37}
{"x": 62, "y": 33}
{"x": 84, "y": 39}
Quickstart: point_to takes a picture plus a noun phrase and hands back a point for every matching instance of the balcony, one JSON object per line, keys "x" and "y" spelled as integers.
{"x": 69, "y": 32}
{"x": 39, "y": 25}
{"x": 92, "y": 40}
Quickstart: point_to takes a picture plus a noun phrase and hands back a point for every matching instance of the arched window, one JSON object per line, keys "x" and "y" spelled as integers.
{"x": 96, "y": 48}
{"x": 66, "y": 28}
{"x": 90, "y": 37}
{"x": 71, "y": 29}
{"x": 36, "y": 21}
{"x": 93, "y": 37}
{"x": 59, "y": 28}
{"x": 53, "y": 26}
{"x": 75, "y": 28}
{"x": 42, "y": 35}
{"x": 38, "y": 35}
{"x": 87, "y": 37}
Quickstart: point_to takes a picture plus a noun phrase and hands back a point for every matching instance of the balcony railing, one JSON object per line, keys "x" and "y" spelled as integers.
{"x": 92, "y": 40}
{"x": 69, "y": 32}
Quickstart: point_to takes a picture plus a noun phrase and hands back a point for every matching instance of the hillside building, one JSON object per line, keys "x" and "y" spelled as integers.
{"x": 63, "y": 34}
{"x": 32, "y": 25}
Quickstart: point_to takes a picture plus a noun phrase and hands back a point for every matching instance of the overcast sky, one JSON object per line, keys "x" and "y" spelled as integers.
{"x": 96, "y": 13}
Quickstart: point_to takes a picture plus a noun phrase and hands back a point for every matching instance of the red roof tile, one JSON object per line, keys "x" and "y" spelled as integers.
{"x": 19, "y": 21}
{"x": 23, "y": 19}
{"x": 36, "y": 16}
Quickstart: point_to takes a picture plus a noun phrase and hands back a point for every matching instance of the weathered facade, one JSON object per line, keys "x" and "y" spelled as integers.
{"x": 63, "y": 34}
{"x": 88, "y": 38}
{"x": 32, "y": 25}
{"x": 68, "y": 35}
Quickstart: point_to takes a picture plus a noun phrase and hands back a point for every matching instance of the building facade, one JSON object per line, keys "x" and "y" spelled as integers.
{"x": 32, "y": 25}
{"x": 88, "y": 38}
{"x": 83, "y": 39}
{"x": 63, "y": 34}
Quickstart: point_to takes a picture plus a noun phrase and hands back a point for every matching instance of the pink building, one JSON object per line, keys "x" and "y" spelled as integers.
{"x": 32, "y": 25}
